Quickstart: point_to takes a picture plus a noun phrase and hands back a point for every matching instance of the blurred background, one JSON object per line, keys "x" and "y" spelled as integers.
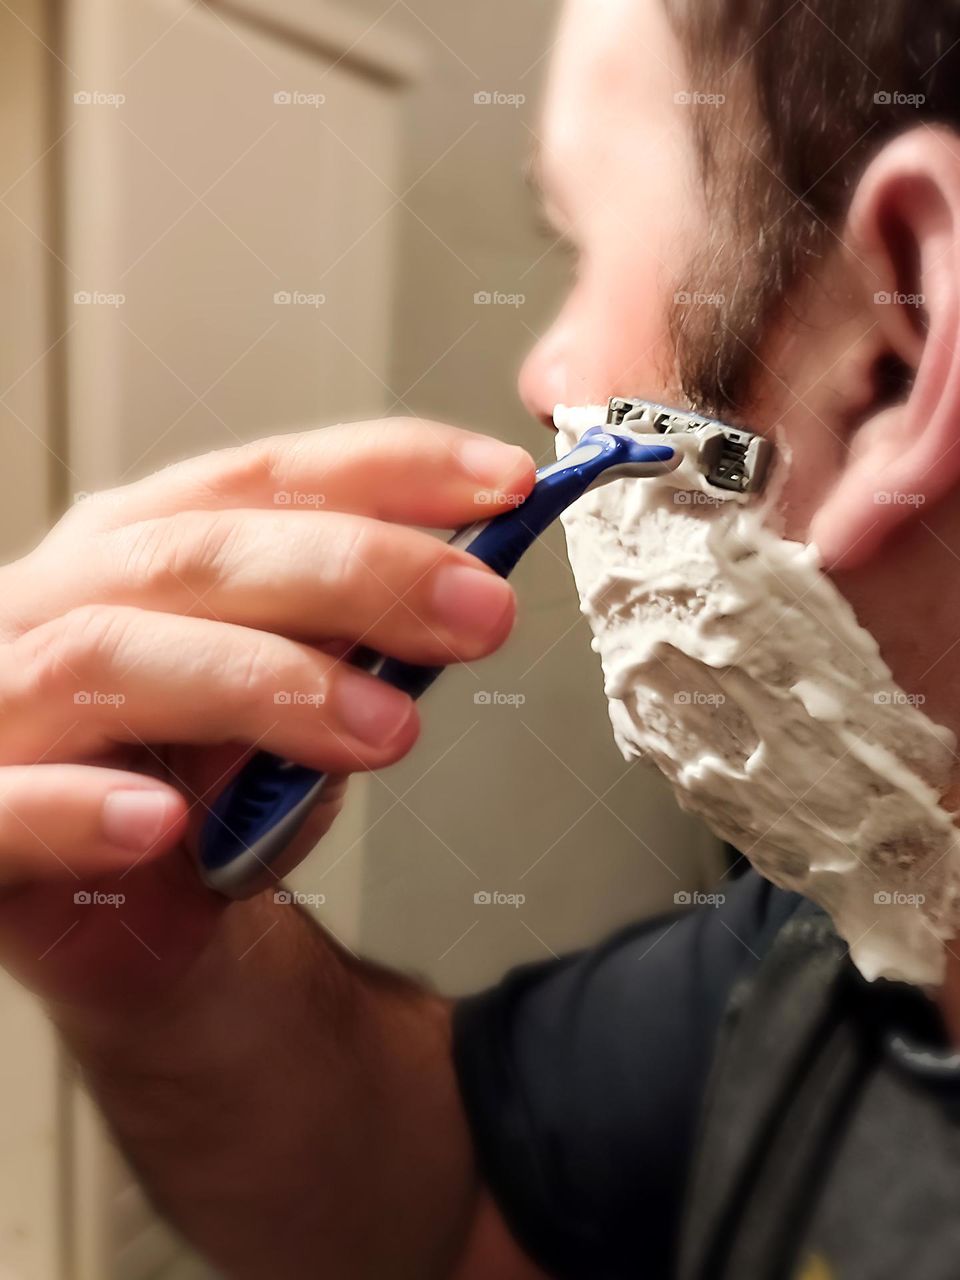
{"x": 224, "y": 220}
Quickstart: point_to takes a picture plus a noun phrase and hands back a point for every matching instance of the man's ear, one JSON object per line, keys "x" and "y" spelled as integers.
{"x": 903, "y": 243}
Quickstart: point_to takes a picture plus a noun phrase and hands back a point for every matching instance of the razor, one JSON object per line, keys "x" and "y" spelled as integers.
{"x": 245, "y": 841}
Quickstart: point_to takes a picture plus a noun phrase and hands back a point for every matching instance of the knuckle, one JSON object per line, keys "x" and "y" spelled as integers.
{"x": 247, "y": 468}
{"x": 352, "y": 441}
{"x": 201, "y": 548}
{"x": 70, "y": 648}
{"x": 187, "y": 552}
{"x": 383, "y": 576}
{"x": 350, "y": 548}
{"x": 360, "y": 572}
{"x": 255, "y": 677}
{"x": 92, "y": 511}
{"x": 140, "y": 550}
{"x": 418, "y": 435}
{"x": 77, "y": 517}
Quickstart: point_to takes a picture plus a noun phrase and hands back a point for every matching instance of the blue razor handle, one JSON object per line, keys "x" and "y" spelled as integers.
{"x": 251, "y": 824}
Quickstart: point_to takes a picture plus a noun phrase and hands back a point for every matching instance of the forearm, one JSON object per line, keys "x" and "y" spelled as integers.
{"x": 291, "y": 1110}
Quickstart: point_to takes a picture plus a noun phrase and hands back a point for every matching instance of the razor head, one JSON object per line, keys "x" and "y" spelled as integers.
{"x": 729, "y": 457}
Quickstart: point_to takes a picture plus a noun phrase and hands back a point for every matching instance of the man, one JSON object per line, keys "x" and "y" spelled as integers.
{"x": 301, "y": 1113}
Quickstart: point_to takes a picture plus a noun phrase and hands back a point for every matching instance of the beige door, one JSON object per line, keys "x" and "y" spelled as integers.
{"x": 30, "y": 1133}
{"x": 202, "y": 253}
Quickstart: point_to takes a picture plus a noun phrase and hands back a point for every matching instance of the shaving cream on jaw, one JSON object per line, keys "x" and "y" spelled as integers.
{"x": 733, "y": 663}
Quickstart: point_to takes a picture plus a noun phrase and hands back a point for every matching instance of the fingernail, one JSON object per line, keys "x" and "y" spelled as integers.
{"x": 494, "y": 465}
{"x": 471, "y": 601}
{"x": 136, "y": 819}
{"x": 368, "y": 709}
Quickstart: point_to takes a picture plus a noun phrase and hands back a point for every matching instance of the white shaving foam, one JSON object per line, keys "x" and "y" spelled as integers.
{"x": 734, "y": 664}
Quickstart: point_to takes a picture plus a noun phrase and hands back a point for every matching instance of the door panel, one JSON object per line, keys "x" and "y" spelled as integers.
{"x": 230, "y": 238}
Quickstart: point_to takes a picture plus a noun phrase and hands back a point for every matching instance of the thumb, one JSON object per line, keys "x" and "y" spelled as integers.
{"x": 72, "y": 821}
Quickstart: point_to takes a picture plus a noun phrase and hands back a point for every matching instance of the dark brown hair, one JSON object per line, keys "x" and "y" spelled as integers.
{"x": 813, "y": 90}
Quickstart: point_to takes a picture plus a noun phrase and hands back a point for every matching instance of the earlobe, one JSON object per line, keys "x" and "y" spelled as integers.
{"x": 902, "y": 237}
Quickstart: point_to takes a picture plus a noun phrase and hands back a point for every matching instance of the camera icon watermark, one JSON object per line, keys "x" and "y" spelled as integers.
{"x": 94, "y": 298}
{"x": 898, "y": 498}
{"x": 94, "y": 898}
{"x": 298, "y": 698}
{"x": 897, "y": 698}
{"x": 694, "y": 898}
{"x": 299, "y": 298}
{"x": 494, "y": 698}
{"x": 296, "y": 498}
{"x": 488, "y": 898}
{"x": 686, "y": 298}
{"x": 296, "y": 98}
{"x": 97, "y": 698}
{"x": 696, "y": 98}
{"x": 294, "y": 898}
{"x": 494, "y": 98}
{"x": 97, "y": 98}
{"x": 894, "y": 98}
{"x": 696, "y": 498}
{"x": 885, "y": 298}
{"x": 485, "y": 298}
{"x": 107, "y": 496}
{"x": 491, "y": 498}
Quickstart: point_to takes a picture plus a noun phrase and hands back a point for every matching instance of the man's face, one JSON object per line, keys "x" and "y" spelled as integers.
{"x": 621, "y": 182}
{"x": 621, "y": 185}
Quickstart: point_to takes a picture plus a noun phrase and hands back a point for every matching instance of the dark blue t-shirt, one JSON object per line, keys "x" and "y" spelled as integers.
{"x": 583, "y": 1079}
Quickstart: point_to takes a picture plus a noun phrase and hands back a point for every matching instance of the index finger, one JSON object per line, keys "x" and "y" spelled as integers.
{"x": 408, "y": 471}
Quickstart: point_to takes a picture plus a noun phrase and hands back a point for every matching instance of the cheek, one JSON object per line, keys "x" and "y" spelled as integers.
{"x": 810, "y": 460}
{"x": 616, "y": 325}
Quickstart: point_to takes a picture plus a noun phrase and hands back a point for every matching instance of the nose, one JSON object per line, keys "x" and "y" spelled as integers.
{"x": 543, "y": 378}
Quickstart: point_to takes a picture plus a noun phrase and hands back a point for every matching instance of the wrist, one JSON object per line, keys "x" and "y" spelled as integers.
{"x": 188, "y": 1020}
